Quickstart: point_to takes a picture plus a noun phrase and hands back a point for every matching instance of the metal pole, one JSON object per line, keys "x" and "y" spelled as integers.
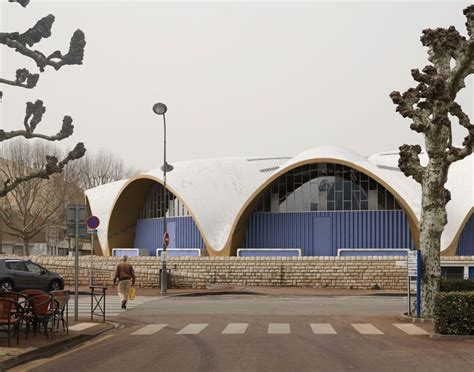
{"x": 164, "y": 283}
{"x": 91, "y": 272}
{"x": 76, "y": 269}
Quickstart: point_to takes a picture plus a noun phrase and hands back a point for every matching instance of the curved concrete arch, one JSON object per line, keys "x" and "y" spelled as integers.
{"x": 237, "y": 235}
{"x": 126, "y": 209}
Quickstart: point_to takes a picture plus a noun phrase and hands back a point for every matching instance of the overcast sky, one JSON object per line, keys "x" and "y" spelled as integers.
{"x": 239, "y": 78}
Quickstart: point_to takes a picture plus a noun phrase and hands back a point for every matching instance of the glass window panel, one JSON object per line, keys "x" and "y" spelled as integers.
{"x": 364, "y": 185}
{"x": 346, "y": 173}
{"x": 338, "y": 167}
{"x": 363, "y": 194}
{"x": 299, "y": 199}
{"x": 355, "y": 178}
{"x": 322, "y": 200}
{"x": 314, "y": 195}
{"x": 275, "y": 205}
{"x": 364, "y": 177}
{"x": 330, "y": 169}
{"x": 314, "y": 174}
{"x": 347, "y": 205}
{"x": 372, "y": 184}
{"x": 364, "y": 205}
{"x": 355, "y": 200}
{"x": 390, "y": 201}
{"x": 330, "y": 205}
{"x": 347, "y": 190}
{"x": 338, "y": 183}
{"x": 373, "y": 200}
{"x": 381, "y": 197}
{"x": 322, "y": 167}
{"x": 339, "y": 199}
{"x": 290, "y": 203}
{"x": 331, "y": 189}
{"x": 306, "y": 197}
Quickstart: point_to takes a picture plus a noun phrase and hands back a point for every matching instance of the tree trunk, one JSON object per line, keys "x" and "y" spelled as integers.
{"x": 433, "y": 220}
{"x": 26, "y": 247}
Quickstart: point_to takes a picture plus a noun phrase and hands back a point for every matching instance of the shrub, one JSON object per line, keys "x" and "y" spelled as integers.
{"x": 454, "y": 313}
{"x": 456, "y": 285}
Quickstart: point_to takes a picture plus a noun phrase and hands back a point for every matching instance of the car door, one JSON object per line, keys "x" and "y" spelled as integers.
{"x": 36, "y": 278}
{"x": 19, "y": 273}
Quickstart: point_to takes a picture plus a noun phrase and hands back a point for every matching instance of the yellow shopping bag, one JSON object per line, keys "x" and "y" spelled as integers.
{"x": 131, "y": 293}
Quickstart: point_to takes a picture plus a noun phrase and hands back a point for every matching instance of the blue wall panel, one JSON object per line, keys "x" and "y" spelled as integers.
{"x": 466, "y": 240}
{"x": 351, "y": 229}
{"x": 183, "y": 233}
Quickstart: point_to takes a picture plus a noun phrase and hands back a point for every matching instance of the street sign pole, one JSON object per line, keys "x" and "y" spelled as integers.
{"x": 76, "y": 269}
{"x": 91, "y": 274}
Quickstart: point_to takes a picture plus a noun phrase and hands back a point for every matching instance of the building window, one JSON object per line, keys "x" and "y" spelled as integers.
{"x": 325, "y": 187}
{"x": 155, "y": 205}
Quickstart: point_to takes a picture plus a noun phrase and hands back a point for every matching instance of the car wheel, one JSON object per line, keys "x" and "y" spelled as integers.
{"x": 54, "y": 286}
{"x": 6, "y": 285}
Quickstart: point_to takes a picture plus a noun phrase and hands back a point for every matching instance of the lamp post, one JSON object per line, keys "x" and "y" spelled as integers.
{"x": 160, "y": 109}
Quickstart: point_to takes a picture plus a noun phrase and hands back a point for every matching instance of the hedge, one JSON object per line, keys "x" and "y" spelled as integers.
{"x": 456, "y": 285}
{"x": 454, "y": 313}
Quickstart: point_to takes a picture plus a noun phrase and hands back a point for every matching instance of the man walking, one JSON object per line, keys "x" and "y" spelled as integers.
{"x": 125, "y": 275}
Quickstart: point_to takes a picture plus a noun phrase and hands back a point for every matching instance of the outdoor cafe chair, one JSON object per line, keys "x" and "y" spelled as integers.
{"x": 60, "y": 312}
{"x": 32, "y": 292}
{"x": 41, "y": 314}
{"x": 8, "y": 319}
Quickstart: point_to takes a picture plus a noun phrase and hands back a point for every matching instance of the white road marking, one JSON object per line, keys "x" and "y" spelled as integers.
{"x": 411, "y": 329}
{"x": 82, "y": 326}
{"x": 367, "y": 329}
{"x": 192, "y": 329}
{"x": 279, "y": 328}
{"x": 323, "y": 329}
{"x": 235, "y": 329}
{"x": 149, "y": 329}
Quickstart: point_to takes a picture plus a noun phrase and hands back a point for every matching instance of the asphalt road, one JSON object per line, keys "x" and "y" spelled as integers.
{"x": 261, "y": 333}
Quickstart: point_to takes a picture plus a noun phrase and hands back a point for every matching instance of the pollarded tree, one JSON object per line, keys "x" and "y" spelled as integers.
{"x": 432, "y": 108}
{"x": 22, "y": 43}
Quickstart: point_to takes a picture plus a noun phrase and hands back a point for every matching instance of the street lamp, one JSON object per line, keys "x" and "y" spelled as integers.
{"x": 160, "y": 109}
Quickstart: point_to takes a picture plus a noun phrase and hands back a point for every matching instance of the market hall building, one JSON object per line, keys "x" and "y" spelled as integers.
{"x": 321, "y": 202}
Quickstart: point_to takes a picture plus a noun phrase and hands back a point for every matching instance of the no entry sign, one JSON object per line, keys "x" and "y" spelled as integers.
{"x": 93, "y": 222}
{"x": 166, "y": 239}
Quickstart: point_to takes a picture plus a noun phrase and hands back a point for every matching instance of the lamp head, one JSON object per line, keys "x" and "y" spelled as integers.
{"x": 159, "y": 108}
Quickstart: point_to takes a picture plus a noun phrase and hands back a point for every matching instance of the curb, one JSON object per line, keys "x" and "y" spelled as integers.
{"x": 405, "y": 317}
{"x": 439, "y": 336}
{"x": 214, "y": 293}
{"x": 52, "y": 349}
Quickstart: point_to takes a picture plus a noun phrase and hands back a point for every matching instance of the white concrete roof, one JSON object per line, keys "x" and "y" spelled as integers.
{"x": 216, "y": 190}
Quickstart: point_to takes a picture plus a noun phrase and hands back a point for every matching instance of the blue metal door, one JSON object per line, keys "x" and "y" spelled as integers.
{"x": 322, "y": 237}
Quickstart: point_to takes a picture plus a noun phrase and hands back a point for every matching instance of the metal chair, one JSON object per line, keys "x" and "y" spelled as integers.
{"x": 8, "y": 319}
{"x": 60, "y": 312}
{"x": 42, "y": 311}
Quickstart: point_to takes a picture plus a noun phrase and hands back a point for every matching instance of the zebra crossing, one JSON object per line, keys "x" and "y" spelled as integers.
{"x": 283, "y": 329}
{"x": 113, "y": 305}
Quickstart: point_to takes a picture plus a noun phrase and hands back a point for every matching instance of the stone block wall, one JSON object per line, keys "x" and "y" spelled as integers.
{"x": 203, "y": 272}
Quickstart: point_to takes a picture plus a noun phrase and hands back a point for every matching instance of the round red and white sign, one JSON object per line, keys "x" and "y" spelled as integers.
{"x": 166, "y": 239}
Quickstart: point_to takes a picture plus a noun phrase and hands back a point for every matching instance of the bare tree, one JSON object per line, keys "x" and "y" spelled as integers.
{"x": 32, "y": 206}
{"x": 99, "y": 168}
{"x": 22, "y": 43}
{"x": 432, "y": 107}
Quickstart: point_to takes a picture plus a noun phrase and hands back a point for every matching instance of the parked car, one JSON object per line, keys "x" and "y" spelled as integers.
{"x": 17, "y": 275}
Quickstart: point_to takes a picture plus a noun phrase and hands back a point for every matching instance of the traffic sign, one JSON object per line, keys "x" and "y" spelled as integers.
{"x": 93, "y": 222}
{"x": 166, "y": 239}
{"x": 92, "y": 231}
{"x": 76, "y": 220}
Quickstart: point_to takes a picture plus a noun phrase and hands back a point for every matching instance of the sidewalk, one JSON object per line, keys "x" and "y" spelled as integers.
{"x": 269, "y": 291}
{"x": 39, "y": 346}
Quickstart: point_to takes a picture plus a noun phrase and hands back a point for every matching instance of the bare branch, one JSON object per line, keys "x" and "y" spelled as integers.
{"x": 33, "y": 116}
{"x": 52, "y": 166}
{"x": 56, "y": 60}
{"x": 23, "y": 3}
{"x": 409, "y": 162}
{"x": 454, "y": 153}
{"x": 24, "y": 79}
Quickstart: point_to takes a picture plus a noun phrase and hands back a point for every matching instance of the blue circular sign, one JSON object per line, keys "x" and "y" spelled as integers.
{"x": 93, "y": 222}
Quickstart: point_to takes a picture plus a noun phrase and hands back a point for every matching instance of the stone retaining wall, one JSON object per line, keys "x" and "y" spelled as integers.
{"x": 202, "y": 272}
